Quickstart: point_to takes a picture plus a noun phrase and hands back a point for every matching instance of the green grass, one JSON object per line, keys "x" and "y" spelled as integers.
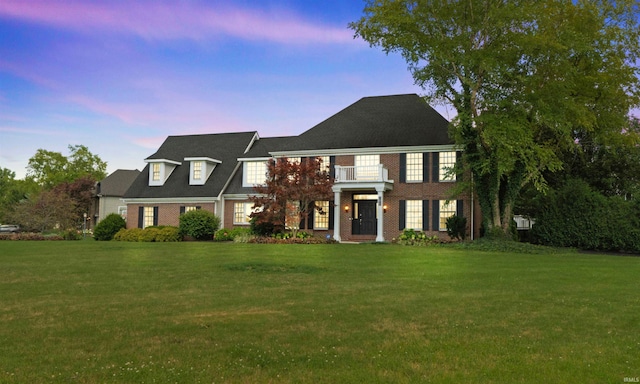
{"x": 96, "y": 312}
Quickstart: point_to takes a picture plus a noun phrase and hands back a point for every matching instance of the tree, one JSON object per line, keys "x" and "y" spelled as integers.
{"x": 290, "y": 192}
{"x": 524, "y": 76}
{"x": 50, "y": 168}
{"x": 45, "y": 211}
{"x": 13, "y": 191}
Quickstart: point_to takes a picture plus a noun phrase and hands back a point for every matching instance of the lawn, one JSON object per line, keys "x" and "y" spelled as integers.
{"x": 96, "y": 312}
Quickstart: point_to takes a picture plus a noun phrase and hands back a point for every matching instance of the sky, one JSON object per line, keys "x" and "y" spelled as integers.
{"x": 121, "y": 76}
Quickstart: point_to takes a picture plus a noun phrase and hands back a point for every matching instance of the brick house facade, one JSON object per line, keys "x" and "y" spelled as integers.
{"x": 389, "y": 156}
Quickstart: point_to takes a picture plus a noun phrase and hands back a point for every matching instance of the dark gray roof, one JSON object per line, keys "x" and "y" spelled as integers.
{"x": 117, "y": 183}
{"x": 382, "y": 121}
{"x": 266, "y": 145}
{"x": 225, "y": 147}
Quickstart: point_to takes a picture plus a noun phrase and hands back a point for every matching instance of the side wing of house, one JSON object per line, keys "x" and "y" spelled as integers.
{"x": 186, "y": 173}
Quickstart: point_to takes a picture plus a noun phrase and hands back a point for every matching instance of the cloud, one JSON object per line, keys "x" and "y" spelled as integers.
{"x": 156, "y": 20}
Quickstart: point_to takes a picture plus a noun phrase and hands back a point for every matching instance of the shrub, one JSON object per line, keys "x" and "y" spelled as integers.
{"x": 71, "y": 234}
{"x": 457, "y": 227}
{"x": 132, "y": 234}
{"x": 260, "y": 227}
{"x": 168, "y": 234}
{"x": 232, "y": 234}
{"x": 199, "y": 224}
{"x": 413, "y": 237}
{"x": 107, "y": 228}
{"x": 577, "y": 216}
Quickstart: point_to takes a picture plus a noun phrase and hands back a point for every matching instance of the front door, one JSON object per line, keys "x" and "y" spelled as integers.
{"x": 364, "y": 217}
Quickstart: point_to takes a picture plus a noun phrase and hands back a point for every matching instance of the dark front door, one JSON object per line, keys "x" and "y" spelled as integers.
{"x": 364, "y": 218}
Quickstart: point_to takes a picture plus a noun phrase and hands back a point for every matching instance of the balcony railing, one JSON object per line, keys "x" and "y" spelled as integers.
{"x": 366, "y": 173}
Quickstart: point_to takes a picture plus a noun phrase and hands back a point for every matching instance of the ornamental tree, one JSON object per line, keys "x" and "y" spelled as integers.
{"x": 526, "y": 77}
{"x": 290, "y": 192}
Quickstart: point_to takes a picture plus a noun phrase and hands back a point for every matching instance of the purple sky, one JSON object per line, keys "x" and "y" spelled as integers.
{"x": 120, "y": 76}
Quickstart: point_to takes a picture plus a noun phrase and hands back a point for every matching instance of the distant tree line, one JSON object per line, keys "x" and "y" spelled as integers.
{"x": 56, "y": 192}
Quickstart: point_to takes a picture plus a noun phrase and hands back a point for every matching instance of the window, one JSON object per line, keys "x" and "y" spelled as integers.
{"x": 321, "y": 215}
{"x": 447, "y": 209}
{"x": 414, "y": 167}
{"x": 155, "y": 169}
{"x": 447, "y": 161}
{"x": 197, "y": 170}
{"x": 255, "y": 173}
{"x": 242, "y": 211}
{"x": 190, "y": 208}
{"x": 325, "y": 165}
{"x": 414, "y": 214}
{"x": 367, "y": 167}
{"x": 149, "y": 217}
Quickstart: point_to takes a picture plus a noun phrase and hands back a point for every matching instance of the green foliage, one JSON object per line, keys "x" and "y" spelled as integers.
{"x": 457, "y": 227}
{"x": 48, "y": 168}
{"x": 577, "y": 216}
{"x": 149, "y": 234}
{"x": 199, "y": 224}
{"x": 413, "y": 237}
{"x": 71, "y": 234}
{"x": 261, "y": 226}
{"x": 225, "y": 234}
{"x": 107, "y": 228}
{"x": 525, "y": 78}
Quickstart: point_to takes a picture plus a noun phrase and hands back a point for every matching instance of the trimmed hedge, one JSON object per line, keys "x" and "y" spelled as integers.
{"x": 108, "y": 227}
{"x": 149, "y": 234}
{"x": 577, "y": 216}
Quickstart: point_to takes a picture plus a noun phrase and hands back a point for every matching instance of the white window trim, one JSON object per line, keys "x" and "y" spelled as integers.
{"x": 444, "y": 204}
{"x": 208, "y": 165}
{"x": 420, "y": 170}
{"x": 324, "y": 216}
{"x": 247, "y": 210}
{"x": 245, "y": 173}
{"x": 409, "y": 218}
{"x": 166, "y": 168}
{"x": 444, "y": 168}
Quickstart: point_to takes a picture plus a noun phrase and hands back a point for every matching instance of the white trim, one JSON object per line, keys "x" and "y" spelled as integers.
{"x": 254, "y": 158}
{"x": 207, "y": 159}
{"x": 255, "y": 138}
{"x": 162, "y": 161}
{"x": 365, "y": 151}
{"x": 170, "y": 200}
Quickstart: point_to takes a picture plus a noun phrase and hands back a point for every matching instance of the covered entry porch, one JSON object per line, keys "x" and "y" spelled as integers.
{"x": 359, "y": 203}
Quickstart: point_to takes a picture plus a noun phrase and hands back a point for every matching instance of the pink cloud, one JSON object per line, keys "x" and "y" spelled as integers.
{"x": 155, "y": 20}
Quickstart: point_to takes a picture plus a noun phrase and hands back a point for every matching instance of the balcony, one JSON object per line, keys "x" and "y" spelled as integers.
{"x": 362, "y": 174}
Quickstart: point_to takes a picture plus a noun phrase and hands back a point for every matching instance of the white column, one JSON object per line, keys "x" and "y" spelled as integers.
{"x": 380, "y": 234}
{"x": 336, "y": 216}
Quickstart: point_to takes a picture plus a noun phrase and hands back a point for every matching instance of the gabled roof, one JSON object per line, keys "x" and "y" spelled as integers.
{"x": 117, "y": 183}
{"x": 225, "y": 147}
{"x": 383, "y": 121}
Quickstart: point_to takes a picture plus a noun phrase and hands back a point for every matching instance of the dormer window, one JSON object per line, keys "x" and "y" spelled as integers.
{"x": 160, "y": 170}
{"x": 200, "y": 169}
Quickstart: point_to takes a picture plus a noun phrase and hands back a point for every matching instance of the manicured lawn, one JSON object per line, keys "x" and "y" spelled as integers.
{"x": 94, "y": 312}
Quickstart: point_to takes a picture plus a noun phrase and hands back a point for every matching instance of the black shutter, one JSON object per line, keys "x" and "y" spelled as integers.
{"x": 198, "y": 207}
{"x": 402, "y": 214}
{"x": 425, "y": 167}
{"x": 436, "y": 215}
{"x": 435, "y": 167}
{"x": 331, "y": 215}
{"x": 332, "y": 166}
{"x": 312, "y": 212}
{"x": 182, "y": 209}
{"x": 403, "y": 167}
{"x": 425, "y": 215}
{"x": 140, "y": 217}
{"x": 155, "y": 216}
{"x": 459, "y": 174}
{"x": 460, "y": 208}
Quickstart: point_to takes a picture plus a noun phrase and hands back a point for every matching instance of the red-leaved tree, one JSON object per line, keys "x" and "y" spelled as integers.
{"x": 290, "y": 192}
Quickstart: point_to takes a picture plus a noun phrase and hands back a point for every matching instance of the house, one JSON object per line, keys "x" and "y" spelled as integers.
{"x": 109, "y": 193}
{"x": 390, "y": 156}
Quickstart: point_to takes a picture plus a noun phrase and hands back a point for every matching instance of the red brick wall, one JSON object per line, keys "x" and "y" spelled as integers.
{"x": 168, "y": 213}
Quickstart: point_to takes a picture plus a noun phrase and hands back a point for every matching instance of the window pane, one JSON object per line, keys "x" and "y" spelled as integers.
{"x": 197, "y": 170}
{"x": 447, "y": 209}
{"x": 148, "y": 217}
{"x": 367, "y": 167}
{"x": 156, "y": 171}
{"x": 414, "y": 214}
{"x": 321, "y": 216}
{"x": 447, "y": 161}
{"x": 414, "y": 167}
{"x": 255, "y": 172}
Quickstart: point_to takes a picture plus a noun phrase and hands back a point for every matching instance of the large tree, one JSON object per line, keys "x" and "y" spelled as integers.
{"x": 290, "y": 192}
{"x": 49, "y": 168}
{"x": 526, "y": 77}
